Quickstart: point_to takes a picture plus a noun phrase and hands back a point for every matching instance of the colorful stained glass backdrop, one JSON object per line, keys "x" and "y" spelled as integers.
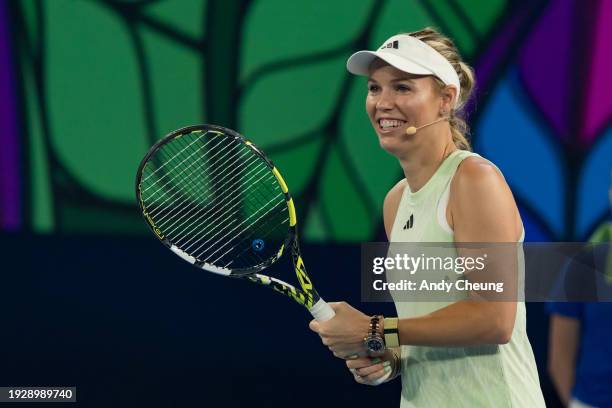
{"x": 79, "y": 78}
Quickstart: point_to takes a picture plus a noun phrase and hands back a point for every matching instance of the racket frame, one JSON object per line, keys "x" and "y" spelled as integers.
{"x": 307, "y": 296}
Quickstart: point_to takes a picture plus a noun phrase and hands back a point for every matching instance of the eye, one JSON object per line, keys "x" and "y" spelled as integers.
{"x": 402, "y": 88}
{"x": 373, "y": 88}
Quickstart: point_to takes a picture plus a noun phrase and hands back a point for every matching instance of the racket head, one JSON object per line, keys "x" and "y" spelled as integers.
{"x": 216, "y": 200}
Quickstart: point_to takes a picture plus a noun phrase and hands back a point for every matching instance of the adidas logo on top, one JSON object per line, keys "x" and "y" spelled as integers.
{"x": 393, "y": 44}
{"x": 410, "y": 222}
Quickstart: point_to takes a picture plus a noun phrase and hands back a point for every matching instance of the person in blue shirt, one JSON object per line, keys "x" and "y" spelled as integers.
{"x": 580, "y": 339}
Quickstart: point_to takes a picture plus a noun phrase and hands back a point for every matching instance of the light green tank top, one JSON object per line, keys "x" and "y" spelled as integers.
{"x": 476, "y": 376}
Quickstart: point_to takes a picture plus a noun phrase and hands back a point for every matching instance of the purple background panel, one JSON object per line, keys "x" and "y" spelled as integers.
{"x": 550, "y": 45}
{"x": 9, "y": 153}
{"x": 599, "y": 99}
{"x": 496, "y": 53}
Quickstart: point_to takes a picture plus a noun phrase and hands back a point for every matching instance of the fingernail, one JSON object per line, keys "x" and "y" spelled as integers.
{"x": 352, "y": 356}
{"x": 376, "y": 361}
{"x": 387, "y": 364}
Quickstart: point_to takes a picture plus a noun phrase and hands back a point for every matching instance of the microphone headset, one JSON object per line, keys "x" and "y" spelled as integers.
{"x": 412, "y": 130}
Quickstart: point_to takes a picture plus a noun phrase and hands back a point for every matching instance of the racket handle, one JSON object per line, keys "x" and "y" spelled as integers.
{"x": 321, "y": 311}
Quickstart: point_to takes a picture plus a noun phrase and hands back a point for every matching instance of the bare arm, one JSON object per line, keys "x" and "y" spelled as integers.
{"x": 563, "y": 346}
{"x": 482, "y": 210}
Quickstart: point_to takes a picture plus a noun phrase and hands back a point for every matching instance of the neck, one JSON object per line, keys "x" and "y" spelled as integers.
{"x": 420, "y": 164}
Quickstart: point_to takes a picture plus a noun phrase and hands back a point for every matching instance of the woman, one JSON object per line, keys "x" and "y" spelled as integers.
{"x": 461, "y": 353}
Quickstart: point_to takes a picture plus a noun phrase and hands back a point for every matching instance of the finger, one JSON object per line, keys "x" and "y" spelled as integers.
{"x": 362, "y": 362}
{"x": 314, "y": 326}
{"x": 345, "y": 354}
{"x": 346, "y": 348}
{"x": 378, "y": 377}
{"x": 365, "y": 371}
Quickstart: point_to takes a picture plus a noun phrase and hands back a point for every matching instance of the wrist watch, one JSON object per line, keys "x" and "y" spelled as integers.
{"x": 390, "y": 332}
{"x": 374, "y": 342}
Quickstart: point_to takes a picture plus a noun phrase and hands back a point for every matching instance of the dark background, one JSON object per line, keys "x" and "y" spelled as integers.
{"x": 130, "y": 324}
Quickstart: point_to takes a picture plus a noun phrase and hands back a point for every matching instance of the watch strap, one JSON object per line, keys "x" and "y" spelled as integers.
{"x": 391, "y": 332}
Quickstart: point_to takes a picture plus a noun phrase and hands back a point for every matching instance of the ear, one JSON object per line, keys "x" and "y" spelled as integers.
{"x": 448, "y": 96}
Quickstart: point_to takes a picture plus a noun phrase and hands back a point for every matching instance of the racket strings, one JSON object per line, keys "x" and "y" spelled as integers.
{"x": 178, "y": 198}
{"x": 167, "y": 173}
{"x": 256, "y": 234}
{"x": 233, "y": 229}
{"x": 211, "y": 212}
{"x": 222, "y": 205}
{"x": 221, "y": 220}
{"x": 273, "y": 226}
{"x": 183, "y": 199}
{"x": 254, "y": 194}
{"x": 188, "y": 177}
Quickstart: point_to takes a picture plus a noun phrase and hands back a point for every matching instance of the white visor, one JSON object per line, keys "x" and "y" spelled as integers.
{"x": 410, "y": 55}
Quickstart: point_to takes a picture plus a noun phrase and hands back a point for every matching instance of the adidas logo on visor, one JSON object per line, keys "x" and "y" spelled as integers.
{"x": 393, "y": 44}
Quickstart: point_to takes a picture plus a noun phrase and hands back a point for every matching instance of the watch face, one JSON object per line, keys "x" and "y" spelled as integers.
{"x": 374, "y": 344}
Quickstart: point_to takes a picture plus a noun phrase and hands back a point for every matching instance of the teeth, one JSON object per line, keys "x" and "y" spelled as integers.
{"x": 389, "y": 123}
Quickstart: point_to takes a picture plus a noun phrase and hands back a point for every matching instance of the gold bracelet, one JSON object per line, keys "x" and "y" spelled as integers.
{"x": 390, "y": 332}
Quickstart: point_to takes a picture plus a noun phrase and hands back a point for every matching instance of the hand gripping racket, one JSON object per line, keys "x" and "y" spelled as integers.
{"x": 219, "y": 203}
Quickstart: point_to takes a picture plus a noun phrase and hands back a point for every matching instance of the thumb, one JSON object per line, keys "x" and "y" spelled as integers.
{"x": 336, "y": 306}
{"x": 314, "y": 326}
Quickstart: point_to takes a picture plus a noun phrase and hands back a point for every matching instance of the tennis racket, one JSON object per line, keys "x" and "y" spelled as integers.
{"x": 218, "y": 202}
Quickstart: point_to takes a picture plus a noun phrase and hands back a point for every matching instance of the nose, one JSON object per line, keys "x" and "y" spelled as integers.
{"x": 385, "y": 101}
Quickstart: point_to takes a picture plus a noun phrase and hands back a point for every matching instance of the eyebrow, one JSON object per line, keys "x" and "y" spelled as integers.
{"x": 403, "y": 78}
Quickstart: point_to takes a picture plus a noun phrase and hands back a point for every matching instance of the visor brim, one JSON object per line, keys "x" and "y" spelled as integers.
{"x": 359, "y": 63}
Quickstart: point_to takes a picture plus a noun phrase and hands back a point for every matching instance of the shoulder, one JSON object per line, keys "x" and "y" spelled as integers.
{"x": 477, "y": 179}
{"x": 475, "y": 173}
{"x": 391, "y": 203}
{"x": 481, "y": 204}
{"x": 394, "y": 195}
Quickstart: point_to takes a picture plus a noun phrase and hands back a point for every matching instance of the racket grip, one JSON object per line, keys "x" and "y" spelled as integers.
{"x": 321, "y": 311}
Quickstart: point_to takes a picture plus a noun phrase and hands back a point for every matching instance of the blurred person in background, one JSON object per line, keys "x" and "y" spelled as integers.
{"x": 580, "y": 339}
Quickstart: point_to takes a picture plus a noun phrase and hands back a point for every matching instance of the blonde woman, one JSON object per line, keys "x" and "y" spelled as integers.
{"x": 462, "y": 353}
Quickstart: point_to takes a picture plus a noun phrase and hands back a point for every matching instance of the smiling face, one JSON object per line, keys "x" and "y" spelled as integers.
{"x": 397, "y": 100}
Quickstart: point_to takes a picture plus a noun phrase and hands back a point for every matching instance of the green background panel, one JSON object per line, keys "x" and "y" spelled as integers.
{"x": 290, "y": 102}
{"x": 185, "y": 16}
{"x": 80, "y": 219}
{"x": 30, "y": 14}
{"x": 278, "y": 30}
{"x": 297, "y": 163}
{"x": 316, "y": 228}
{"x": 41, "y": 197}
{"x": 100, "y": 74}
{"x": 94, "y": 97}
{"x": 389, "y": 24}
{"x": 348, "y": 216}
{"x": 483, "y": 14}
{"x": 177, "y": 82}
{"x": 456, "y": 28}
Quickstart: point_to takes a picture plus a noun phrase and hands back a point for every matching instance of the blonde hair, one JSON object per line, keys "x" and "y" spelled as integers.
{"x": 448, "y": 50}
